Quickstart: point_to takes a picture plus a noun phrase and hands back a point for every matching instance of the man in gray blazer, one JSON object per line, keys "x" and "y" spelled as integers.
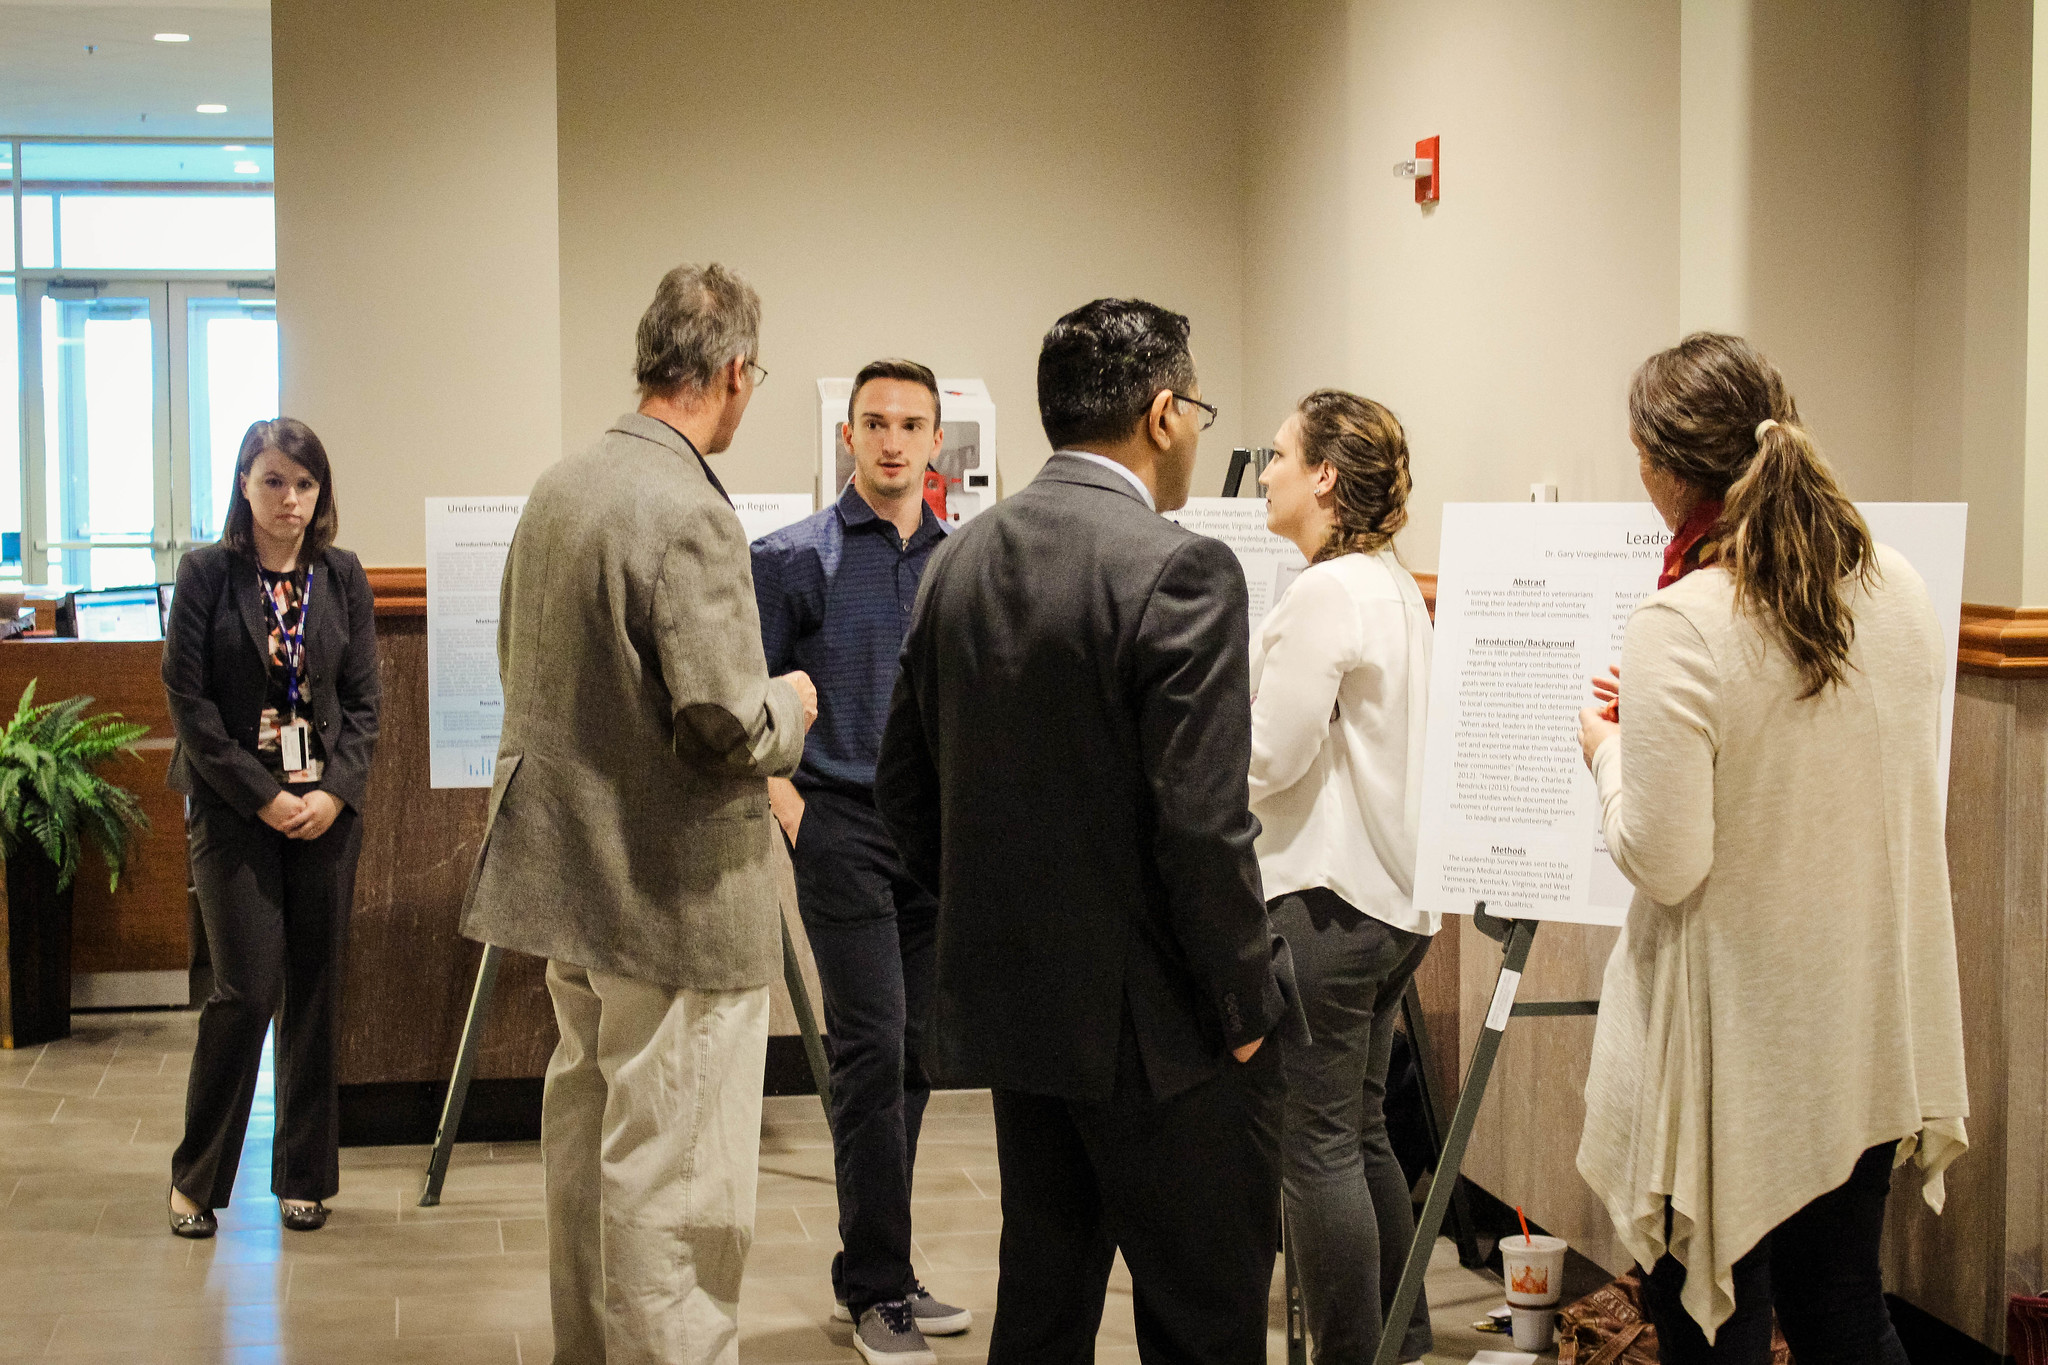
{"x": 630, "y": 838}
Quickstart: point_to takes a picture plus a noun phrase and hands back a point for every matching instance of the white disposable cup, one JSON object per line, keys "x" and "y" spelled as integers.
{"x": 1533, "y": 1268}
{"x": 1534, "y": 1327}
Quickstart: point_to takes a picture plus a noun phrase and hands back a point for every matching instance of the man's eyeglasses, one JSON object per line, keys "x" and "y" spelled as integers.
{"x": 1208, "y": 409}
{"x": 760, "y": 375}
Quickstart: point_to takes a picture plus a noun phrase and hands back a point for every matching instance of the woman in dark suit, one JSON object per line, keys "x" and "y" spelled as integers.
{"x": 270, "y": 663}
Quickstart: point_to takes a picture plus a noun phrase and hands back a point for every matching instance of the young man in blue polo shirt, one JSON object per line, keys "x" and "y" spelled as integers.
{"x": 835, "y": 592}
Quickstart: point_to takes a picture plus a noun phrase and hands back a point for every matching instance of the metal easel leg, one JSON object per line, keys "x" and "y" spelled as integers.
{"x": 458, "y": 1084}
{"x": 1515, "y": 956}
{"x": 806, "y": 1020}
{"x": 1459, "y": 1221}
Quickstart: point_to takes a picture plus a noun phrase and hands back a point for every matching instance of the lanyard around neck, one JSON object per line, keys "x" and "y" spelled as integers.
{"x": 294, "y": 640}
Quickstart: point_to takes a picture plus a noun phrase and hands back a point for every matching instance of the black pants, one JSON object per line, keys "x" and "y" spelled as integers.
{"x": 276, "y": 914}
{"x": 1819, "y": 1268}
{"x": 1188, "y": 1188}
{"x": 1349, "y": 1216}
{"x": 870, "y": 928}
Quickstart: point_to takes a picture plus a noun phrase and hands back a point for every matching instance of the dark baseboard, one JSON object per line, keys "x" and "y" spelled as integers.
{"x": 1930, "y": 1341}
{"x": 397, "y": 1113}
{"x": 394, "y": 1113}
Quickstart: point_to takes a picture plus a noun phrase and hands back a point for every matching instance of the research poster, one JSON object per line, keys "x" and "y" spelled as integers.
{"x": 1532, "y": 600}
{"x": 1270, "y": 562}
{"x": 467, "y": 539}
{"x": 761, "y": 513}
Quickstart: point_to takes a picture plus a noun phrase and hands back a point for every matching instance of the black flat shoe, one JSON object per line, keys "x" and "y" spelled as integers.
{"x": 300, "y": 1219}
{"x": 198, "y": 1226}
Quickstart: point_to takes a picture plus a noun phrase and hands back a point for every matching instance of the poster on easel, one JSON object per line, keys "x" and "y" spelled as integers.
{"x": 467, "y": 541}
{"x": 762, "y": 513}
{"x": 1532, "y": 601}
{"x": 1270, "y": 561}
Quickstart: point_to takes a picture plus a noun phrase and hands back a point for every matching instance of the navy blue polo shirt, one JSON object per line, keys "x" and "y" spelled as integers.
{"x": 835, "y": 592}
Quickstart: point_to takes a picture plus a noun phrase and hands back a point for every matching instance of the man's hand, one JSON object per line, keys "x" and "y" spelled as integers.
{"x": 283, "y": 809}
{"x": 1244, "y": 1054}
{"x": 788, "y": 805}
{"x": 1594, "y": 730}
{"x": 316, "y": 813}
{"x": 807, "y": 693}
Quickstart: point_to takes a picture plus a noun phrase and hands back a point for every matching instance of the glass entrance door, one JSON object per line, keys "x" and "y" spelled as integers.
{"x": 138, "y": 393}
{"x": 105, "y": 367}
{"x": 223, "y": 377}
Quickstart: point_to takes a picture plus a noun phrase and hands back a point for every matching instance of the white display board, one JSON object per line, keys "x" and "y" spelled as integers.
{"x": 761, "y": 513}
{"x": 966, "y": 459}
{"x": 1532, "y": 600}
{"x": 1270, "y": 562}
{"x": 467, "y": 539}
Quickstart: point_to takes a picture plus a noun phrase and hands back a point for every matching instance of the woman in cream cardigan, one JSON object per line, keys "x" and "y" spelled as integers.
{"x": 1340, "y": 680}
{"x": 1779, "y": 1025}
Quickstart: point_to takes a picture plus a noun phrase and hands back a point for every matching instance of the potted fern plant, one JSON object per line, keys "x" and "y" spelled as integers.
{"x": 52, "y": 800}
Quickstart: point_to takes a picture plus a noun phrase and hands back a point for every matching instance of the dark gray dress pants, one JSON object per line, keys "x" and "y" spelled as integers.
{"x": 1349, "y": 1216}
{"x": 1186, "y": 1187}
{"x": 276, "y": 915}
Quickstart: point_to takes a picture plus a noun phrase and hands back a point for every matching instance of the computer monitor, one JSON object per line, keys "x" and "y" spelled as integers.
{"x": 118, "y": 614}
{"x": 163, "y": 606}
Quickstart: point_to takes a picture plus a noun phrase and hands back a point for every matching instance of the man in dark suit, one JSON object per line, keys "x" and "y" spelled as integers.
{"x": 1065, "y": 767}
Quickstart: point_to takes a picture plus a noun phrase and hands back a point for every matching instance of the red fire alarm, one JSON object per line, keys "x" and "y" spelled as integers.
{"x": 1428, "y": 171}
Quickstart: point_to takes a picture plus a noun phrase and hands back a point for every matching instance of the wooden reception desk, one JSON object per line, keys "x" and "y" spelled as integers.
{"x": 409, "y": 974}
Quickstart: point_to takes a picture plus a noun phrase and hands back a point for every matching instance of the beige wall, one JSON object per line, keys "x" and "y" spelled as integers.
{"x": 1974, "y": 87}
{"x": 1502, "y": 325}
{"x": 416, "y": 256}
{"x": 1834, "y": 175}
{"x": 899, "y": 178}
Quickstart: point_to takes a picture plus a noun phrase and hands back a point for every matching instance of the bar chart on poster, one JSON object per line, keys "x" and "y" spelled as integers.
{"x": 1532, "y": 601}
{"x": 467, "y": 540}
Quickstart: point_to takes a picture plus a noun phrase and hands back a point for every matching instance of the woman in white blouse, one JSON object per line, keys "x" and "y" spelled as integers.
{"x": 1340, "y": 681}
{"x": 1779, "y": 1026}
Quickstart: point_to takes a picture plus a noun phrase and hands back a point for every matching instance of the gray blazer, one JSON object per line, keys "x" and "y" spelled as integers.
{"x": 629, "y": 828}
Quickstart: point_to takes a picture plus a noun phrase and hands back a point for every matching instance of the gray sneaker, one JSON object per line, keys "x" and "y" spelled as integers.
{"x": 888, "y": 1335}
{"x": 933, "y": 1319}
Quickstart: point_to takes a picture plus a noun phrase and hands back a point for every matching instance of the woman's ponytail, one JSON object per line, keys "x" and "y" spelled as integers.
{"x": 1794, "y": 543}
{"x": 1715, "y": 413}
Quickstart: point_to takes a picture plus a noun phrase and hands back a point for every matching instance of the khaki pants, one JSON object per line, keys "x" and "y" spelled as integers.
{"x": 651, "y": 1141}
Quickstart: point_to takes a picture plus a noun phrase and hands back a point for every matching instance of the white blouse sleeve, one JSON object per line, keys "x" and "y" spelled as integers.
{"x": 1656, "y": 778}
{"x": 1314, "y": 633}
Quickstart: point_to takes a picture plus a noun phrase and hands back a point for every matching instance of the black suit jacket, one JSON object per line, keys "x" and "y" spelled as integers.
{"x": 1065, "y": 767}
{"x": 215, "y": 679}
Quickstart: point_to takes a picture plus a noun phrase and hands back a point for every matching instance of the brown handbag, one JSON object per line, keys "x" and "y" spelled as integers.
{"x": 1607, "y": 1327}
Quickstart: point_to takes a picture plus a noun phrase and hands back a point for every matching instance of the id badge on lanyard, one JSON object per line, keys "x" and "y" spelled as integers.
{"x": 294, "y": 735}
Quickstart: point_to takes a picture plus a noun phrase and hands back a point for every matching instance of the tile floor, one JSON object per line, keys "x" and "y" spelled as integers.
{"x": 89, "y": 1273}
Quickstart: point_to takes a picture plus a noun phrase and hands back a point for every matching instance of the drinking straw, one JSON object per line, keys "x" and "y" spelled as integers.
{"x": 1527, "y": 1240}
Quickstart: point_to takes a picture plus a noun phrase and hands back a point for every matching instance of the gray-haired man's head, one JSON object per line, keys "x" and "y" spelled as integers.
{"x": 702, "y": 319}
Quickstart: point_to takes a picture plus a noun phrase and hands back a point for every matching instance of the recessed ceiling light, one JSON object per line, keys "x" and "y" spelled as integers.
{"x": 247, "y": 168}
{"x": 174, "y": 37}
{"x": 213, "y": 108}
